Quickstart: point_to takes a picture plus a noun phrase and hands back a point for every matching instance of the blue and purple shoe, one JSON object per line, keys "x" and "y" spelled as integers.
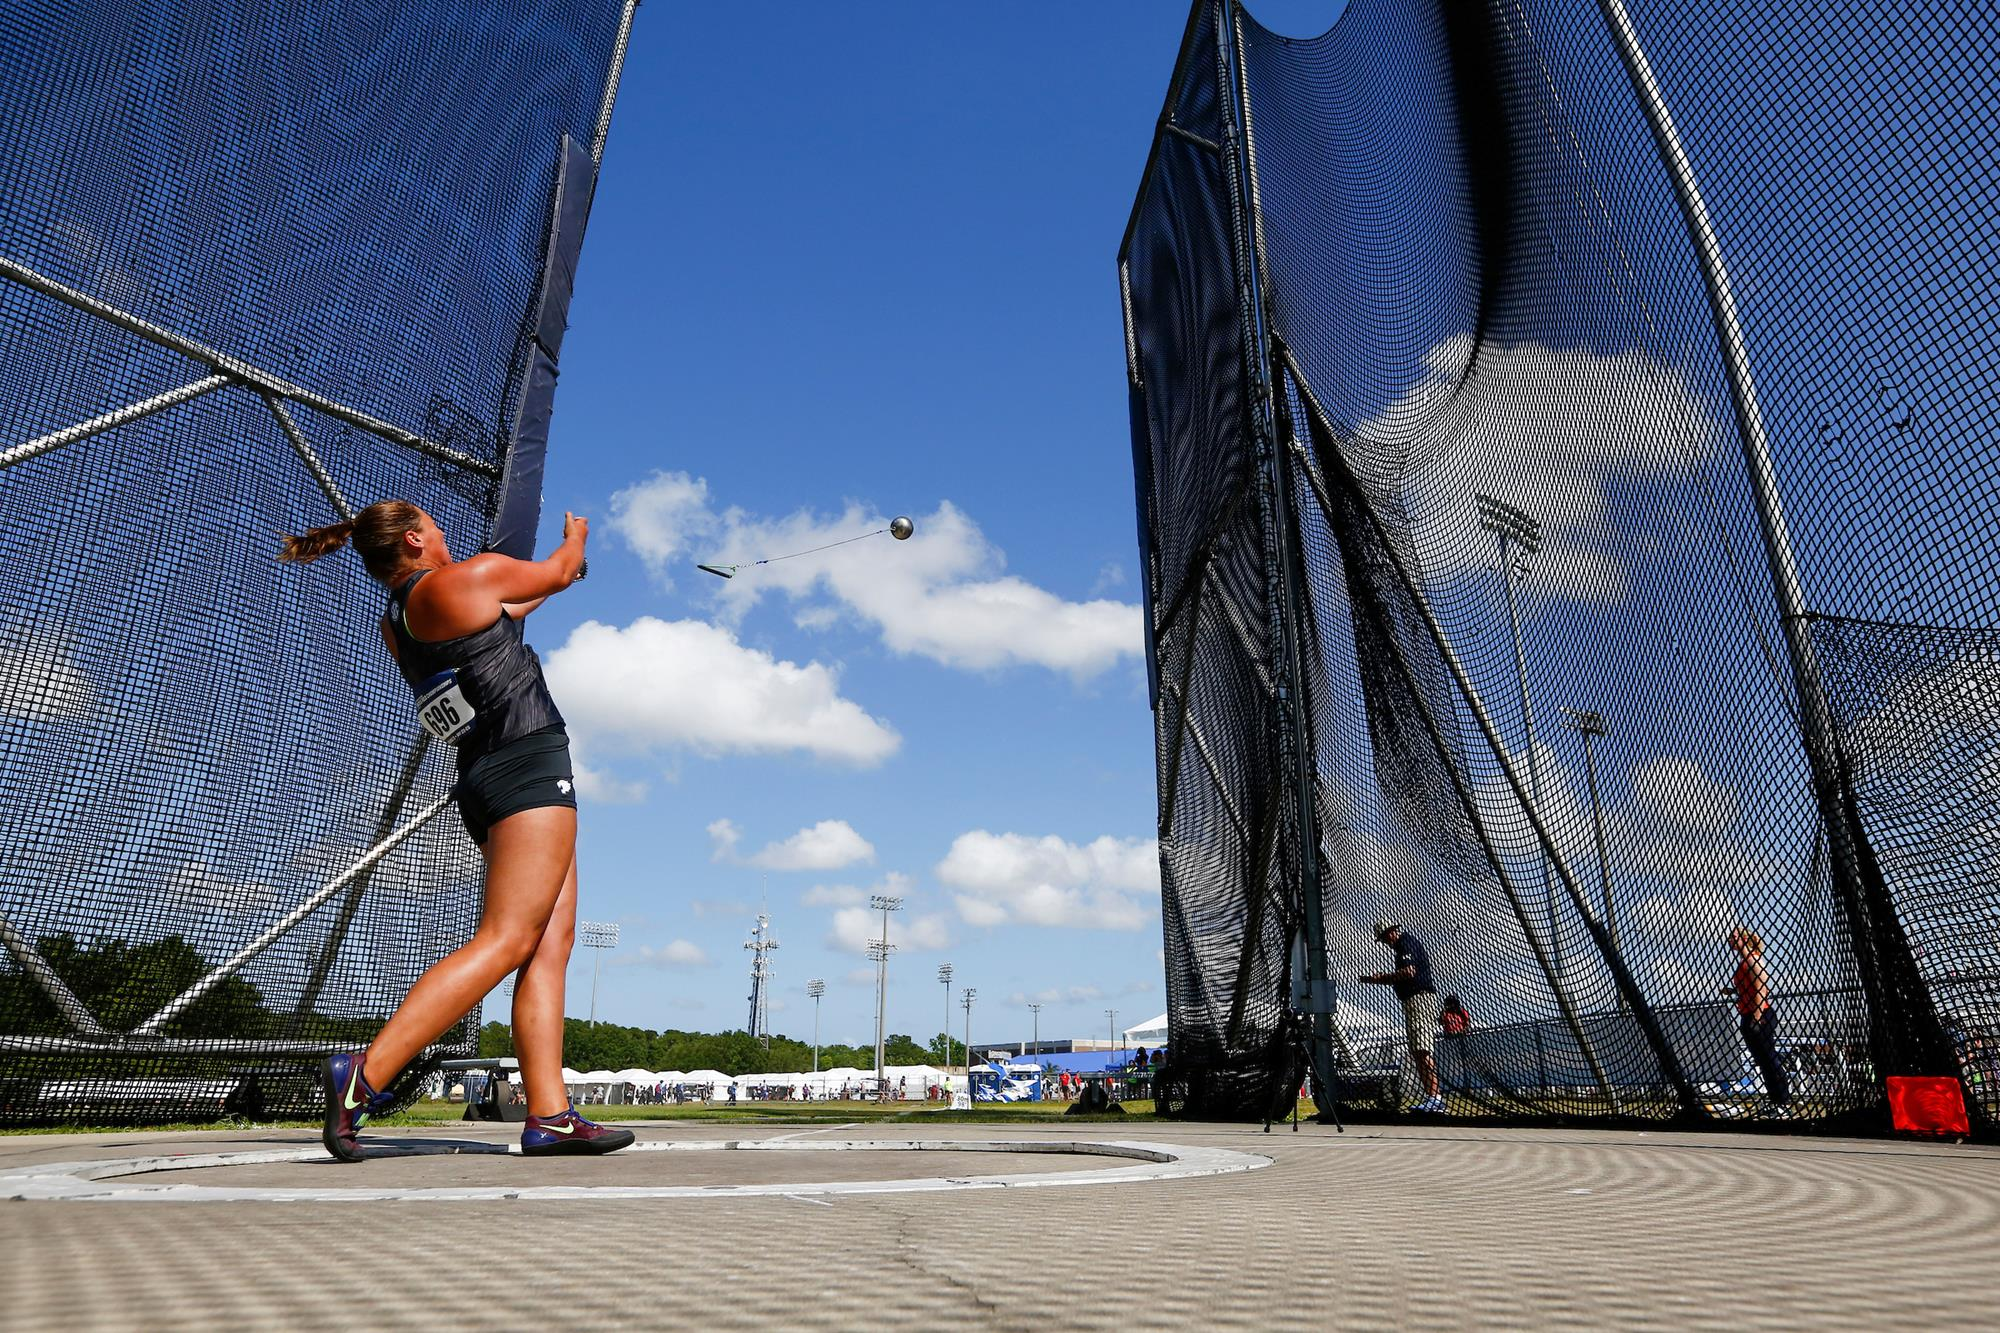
{"x": 550, "y": 1135}
{"x": 349, "y": 1103}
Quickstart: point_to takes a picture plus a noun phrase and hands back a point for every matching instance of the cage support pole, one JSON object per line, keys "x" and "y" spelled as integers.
{"x": 1283, "y": 570}
{"x": 240, "y": 371}
{"x": 1815, "y": 713}
{"x": 284, "y": 924}
{"x": 1170, "y": 778}
{"x": 619, "y": 46}
{"x": 336, "y": 935}
{"x": 29, "y": 960}
{"x": 1655, "y": 1035}
{"x": 303, "y": 448}
{"x": 83, "y": 430}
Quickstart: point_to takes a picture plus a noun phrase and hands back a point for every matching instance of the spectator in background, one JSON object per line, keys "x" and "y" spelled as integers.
{"x": 1755, "y": 1014}
{"x": 1453, "y": 1018}
{"x": 1414, "y": 987}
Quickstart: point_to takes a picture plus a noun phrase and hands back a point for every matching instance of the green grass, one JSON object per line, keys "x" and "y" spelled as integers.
{"x": 743, "y": 1113}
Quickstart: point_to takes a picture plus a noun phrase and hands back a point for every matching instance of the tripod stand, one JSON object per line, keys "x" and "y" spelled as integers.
{"x": 1294, "y": 1036}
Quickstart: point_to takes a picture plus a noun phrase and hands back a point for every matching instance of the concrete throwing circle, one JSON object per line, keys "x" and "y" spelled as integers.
{"x": 112, "y": 1181}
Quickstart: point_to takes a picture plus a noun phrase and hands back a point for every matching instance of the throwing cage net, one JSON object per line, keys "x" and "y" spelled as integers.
{"x": 1566, "y": 513}
{"x": 260, "y": 265}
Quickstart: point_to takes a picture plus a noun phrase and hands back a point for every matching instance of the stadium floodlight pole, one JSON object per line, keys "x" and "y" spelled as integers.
{"x": 1518, "y": 531}
{"x": 965, "y": 998}
{"x": 885, "y": 904}
{"x": 598, "y": 936}
{"x": 1815, "y": 712}
{"x": 1590, "y": 726}
{"x": 815, "y": 988}
{"x": 944, "y": 975}
{"x": 1284, "y": 571}
{"x": 1111, "y": 1029}
{"x": 1036, "y": 1010}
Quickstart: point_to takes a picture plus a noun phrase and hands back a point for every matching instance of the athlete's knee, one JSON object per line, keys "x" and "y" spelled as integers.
{"x": 558, "y": 938}
{"x": 515, "y": 943}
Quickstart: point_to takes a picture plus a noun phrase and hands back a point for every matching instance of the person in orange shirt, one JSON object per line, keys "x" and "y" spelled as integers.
{"x": 1751, "y": 985}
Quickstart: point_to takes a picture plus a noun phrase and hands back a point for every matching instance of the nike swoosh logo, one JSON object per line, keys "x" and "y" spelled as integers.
{"x": 552, "y": 1129}
{"x": 353, "y": 1081}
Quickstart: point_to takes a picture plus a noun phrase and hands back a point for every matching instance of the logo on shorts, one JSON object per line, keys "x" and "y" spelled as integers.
{"x": 562, "y": 785}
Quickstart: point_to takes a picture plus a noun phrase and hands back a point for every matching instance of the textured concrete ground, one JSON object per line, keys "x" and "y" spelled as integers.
{"x": 1425, "y": 1229}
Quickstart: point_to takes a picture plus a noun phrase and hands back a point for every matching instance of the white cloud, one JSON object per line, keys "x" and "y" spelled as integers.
{"x": 1057, "y": 995}
{"x": 942, "y": 594}
{"x": 594, "y": 784}
{"x": 1109, "y": 883}
{"x": 831, "y": 844}
{"x": 832, "y": 895}
{"x": 661, "y": 519}
{"x": 40, "y": 680}
{"x": 684, "y": 685}
{"x": 1678, "y": 794}
{"x": 853, "y": 927}
{"x": 196, "y": 884}
{"x": 1588, "y": 419}
{"x": 673, "y": 955}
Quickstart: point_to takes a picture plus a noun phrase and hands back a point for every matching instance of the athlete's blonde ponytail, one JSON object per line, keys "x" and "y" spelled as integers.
{"x": 376, "y": 532}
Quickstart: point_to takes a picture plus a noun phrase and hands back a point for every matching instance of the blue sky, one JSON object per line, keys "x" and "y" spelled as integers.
{"x": 838, "y": 271}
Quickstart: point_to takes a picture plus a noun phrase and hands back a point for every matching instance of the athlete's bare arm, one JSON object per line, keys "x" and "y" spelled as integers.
{"x": 466, "y": 596}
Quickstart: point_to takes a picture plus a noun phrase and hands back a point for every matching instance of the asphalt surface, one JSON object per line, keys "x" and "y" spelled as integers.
{"x": 1380, "y": 1227}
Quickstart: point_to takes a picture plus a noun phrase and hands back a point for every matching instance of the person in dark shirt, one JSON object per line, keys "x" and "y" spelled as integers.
{"x": 1414, "y": 987}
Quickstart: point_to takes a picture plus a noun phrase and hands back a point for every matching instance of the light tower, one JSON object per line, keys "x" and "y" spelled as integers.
{"x": 1590, "y": 726}
{"x": 1111, "y": 1023}
{"x": 880, "y": 950}
{"x": 1520, "y": 537}
{"x": 760, "y": 945}
{"x": 597, "y": 935}
{"x": 944, "y": 975}
{"x": 965, "y": 998}
{"x": 1036, "y": 1010}
{"x": 815, "y": 988}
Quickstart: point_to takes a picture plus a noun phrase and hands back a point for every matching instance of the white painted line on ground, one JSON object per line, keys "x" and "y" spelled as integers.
{"x": 104, "y": 1181}
{"x": 808, "y": 1133}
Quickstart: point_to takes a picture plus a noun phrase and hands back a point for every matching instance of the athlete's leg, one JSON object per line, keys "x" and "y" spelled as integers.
{"x": 538, "y": 1007}
{"x": 528, "y": 858}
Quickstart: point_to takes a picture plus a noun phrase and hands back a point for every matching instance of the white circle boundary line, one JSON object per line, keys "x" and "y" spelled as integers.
{"x": 96, "y": 1181}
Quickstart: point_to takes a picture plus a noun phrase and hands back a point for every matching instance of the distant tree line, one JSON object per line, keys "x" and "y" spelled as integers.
{"x": 588, "y": 1046}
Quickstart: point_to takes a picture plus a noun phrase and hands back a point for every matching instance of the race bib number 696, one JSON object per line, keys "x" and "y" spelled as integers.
{"x": 442, "y": 709}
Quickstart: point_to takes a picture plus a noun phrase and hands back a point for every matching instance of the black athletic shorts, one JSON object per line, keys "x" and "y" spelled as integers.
{"x": 523, "y": 774}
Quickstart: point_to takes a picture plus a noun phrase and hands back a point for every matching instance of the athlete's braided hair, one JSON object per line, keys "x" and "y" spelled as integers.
{"x": 376, "y": 532}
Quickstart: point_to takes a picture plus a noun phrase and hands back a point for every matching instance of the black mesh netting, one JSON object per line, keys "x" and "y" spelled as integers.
{"x": 348, "y": 200}
{"x": 1453, "y": 293}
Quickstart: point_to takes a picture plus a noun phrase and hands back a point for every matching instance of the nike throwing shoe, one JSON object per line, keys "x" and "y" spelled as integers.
{"x": 550, "y": 1135}
{"x": 349, "y": 1103}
